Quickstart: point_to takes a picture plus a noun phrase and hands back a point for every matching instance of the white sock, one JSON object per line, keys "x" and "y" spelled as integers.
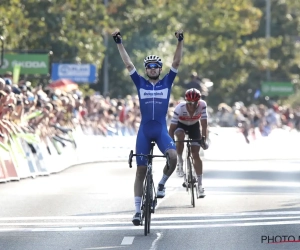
{"x": 180, "y": 160}
{"x": 137, "y": 202}
{"x": 164, "y": 179}
{"x": 199, "y": 177}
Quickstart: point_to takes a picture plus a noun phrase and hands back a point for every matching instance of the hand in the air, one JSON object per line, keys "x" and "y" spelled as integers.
{"x": 117, "y": 36}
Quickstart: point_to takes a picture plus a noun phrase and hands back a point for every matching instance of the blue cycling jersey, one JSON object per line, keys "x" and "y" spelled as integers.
{"x": 154, "y": 98}
{"x": 154, "y": 103}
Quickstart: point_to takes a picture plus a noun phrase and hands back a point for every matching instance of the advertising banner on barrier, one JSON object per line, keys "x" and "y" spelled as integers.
{"x": 3, "y": 174}
{"x": 29, "y": 63}
{"x": 79, "y": 73}
{"x": 29, "y": 158}
{"x": 11, "y": 169}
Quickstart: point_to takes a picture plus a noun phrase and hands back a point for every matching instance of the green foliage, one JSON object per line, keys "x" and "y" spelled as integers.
{"x": 14, "y": 30}
{"x": 71, "y": 29}
{"x": 86, "y": 90}
{"x": 293, "y": 101}
{"x": 224, "y": 39}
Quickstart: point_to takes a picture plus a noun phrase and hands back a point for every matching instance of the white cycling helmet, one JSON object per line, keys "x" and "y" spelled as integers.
{"x": 153, "y": 59}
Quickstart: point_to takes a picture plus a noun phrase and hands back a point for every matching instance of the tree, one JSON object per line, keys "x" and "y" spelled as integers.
{"x": 213, "y": 39}
{"x": 224, "y": 39}
{"x": 13, "y": 29}
{"x": 71, "y": 29}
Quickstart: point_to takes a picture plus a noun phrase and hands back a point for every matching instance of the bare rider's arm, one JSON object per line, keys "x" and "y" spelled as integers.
{"x": 204, "y": 127}
{"x": 125, "y": 57}
{"x": 178, "y": 52}
{"x": 174, "y": 121}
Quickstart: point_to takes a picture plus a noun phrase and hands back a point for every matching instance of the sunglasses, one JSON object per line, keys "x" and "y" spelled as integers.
{"x": 152, "y": 66}
{"x": 193, "y": 103}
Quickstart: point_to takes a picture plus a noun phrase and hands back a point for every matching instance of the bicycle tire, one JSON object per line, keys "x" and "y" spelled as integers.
{"x": 191, "y": 181}
{"x": 186, "y": 177}
{"x": 147, "y": 207}
{"x": 143, "y": 204}
{"x": 150, "y": 182}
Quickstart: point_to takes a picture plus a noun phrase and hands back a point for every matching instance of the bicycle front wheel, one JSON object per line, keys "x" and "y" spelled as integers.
{"x": 191, "y": 181}
{"x": 147, "y": 206}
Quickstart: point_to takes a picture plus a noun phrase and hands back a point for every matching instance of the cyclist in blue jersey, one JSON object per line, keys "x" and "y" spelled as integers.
{"x": 154, "y": 95}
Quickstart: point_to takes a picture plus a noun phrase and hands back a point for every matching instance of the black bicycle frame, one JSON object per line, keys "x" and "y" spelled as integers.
{"x": 149, "y": 189}
{"x": 189, "y": 180}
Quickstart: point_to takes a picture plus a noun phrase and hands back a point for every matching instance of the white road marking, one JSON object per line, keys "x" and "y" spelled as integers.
{"x": 126, "y": 216}
{"x": 154, "y": 243}
{"x": 153, "y": 221}
{"x": 159, "y": 222}
{"x": 172, "y": 227}
{"x": 127, "y": 241}
{"x": 99, "y": 248}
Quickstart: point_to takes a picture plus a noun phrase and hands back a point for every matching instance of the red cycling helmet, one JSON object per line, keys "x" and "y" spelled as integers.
{"x": 192, "y": 95}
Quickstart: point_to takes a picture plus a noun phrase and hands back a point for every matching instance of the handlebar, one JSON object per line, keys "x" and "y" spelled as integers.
{"x": 202, "y": 143}
{"x": 148, "y": 155}
{"x": 190, "y": 140}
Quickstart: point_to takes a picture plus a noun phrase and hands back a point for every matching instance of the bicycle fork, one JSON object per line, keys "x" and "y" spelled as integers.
{"x": 189, "y": 179}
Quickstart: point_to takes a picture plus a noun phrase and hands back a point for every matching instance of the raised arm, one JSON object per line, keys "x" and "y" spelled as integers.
{"x": 178, "y": 51}
{"x": 125, "y": 57}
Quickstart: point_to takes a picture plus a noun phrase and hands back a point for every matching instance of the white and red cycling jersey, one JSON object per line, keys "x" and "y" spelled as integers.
{"x": 182, "y": 115}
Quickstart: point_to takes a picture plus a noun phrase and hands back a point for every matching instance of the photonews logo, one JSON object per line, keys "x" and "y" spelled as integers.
{"x": 276, "y": 239}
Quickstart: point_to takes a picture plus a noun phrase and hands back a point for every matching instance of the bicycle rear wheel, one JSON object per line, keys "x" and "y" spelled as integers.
{"x": 191, "y": 181}
{"x": 186, "y": 176}
{"x": 147, "y": 205}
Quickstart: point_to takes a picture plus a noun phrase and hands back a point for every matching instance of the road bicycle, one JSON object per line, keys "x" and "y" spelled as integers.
{"x": 149, "y": 198}
{"x": 190, "y": 177}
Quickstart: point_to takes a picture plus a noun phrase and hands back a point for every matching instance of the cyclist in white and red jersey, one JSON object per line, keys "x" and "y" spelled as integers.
{"x": 185, "y": 120}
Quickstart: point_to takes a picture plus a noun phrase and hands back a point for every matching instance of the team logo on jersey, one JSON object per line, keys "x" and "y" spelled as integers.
{"x": 189, "y": 118}
{"x": 161, "y": 94}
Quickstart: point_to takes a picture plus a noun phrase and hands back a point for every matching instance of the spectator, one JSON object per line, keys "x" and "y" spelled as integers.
{"x": 197, "y": 83}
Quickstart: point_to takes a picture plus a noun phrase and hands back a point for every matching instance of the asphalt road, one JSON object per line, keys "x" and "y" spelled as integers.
{"x": 249, "y": 205}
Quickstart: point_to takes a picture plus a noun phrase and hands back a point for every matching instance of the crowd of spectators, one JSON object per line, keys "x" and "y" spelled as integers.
{"x": 27, "y": 108}
{"x": 262, "y": 118}
{"x": 24, "y": 108}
